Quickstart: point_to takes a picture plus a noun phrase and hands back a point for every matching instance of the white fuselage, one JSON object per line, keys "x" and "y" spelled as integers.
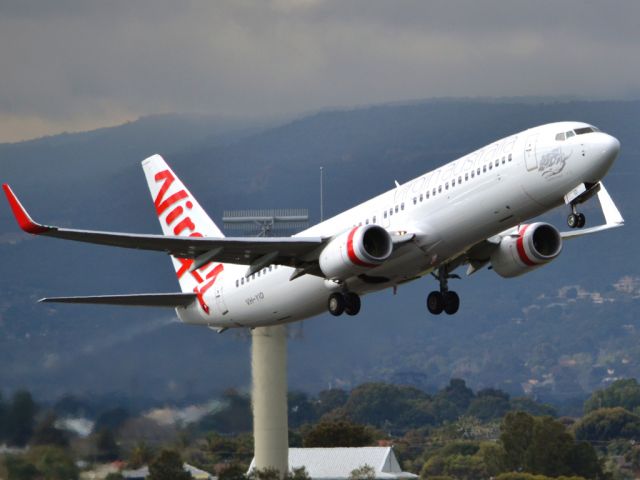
{"x": 449, "y": 210}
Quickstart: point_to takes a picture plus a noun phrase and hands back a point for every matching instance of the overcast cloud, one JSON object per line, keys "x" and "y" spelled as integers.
{"x": 76, "y": 65}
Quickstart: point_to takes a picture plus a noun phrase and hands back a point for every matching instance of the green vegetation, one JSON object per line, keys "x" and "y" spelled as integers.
{"x": 454, "y": 433}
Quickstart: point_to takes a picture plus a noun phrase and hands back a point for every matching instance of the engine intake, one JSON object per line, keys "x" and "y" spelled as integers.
{"x": 355, "y": 251}
{"x": 533, "y": 246}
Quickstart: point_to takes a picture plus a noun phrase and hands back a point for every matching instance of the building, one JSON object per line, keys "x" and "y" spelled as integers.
{"x": 142, "y": 473}
{"x": 338, "y": 463}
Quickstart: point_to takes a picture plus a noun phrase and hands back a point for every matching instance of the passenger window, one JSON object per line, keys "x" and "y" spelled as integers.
{"x": 497, "y": 162}
{"x": 473, "y": 174}
{"x": 503, "y": 160}
{"x": 415, "y": 200}
{"x": 237, "y": 283}
{"x": 453, "y": 182}
{"x": 434, "y": 191}
{"x": 446, "y": 185}
{"x": 460, "y": 179}
{"x": 422, "y": 197}
{"x": 466, "y": 177}
{"x": 439, "y": 188}
{"x": 509, "y": 157}
{"x": 242, "y": 281}
{"x": 270, "y": 268}
{"x": 374, "y": 219}
{"x": 385, "y": 214}
{"x": 427, "y": 194}
{"x": 490, "y": 166}
{"x": 402, "y": 206}
{"x": 484, "y": 169}
{"x": 366, "y": 222}
{"x": 478, "y": 171}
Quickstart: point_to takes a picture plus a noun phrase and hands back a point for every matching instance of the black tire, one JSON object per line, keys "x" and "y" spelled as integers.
{"x": 435, "y": 303}
{"x": 451, "y": 302}
{"x": 581, "y": 220}
{"x": 335, "y": 304}
{"x": 351, "y": 304}
{"x": 572, "y": 220}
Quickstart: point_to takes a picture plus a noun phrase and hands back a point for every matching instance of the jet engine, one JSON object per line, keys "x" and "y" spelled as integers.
{"x": 355, "y": 251}
{"x": 530, "y": 247}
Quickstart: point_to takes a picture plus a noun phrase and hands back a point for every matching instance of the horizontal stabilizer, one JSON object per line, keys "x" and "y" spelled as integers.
{"x": 139, "y": 300}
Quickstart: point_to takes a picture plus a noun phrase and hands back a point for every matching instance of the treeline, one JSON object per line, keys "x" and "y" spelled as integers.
{"x": 455, "y": 433}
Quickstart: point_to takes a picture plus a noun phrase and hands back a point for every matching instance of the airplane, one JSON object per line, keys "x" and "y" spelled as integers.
{"x": 471, "y": 211}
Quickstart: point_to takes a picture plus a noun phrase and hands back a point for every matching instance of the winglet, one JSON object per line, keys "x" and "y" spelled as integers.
{"x": 22, "y": 217}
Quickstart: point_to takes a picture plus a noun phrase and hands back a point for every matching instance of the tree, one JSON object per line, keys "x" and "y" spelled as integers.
{"x": 607, "y": 424}
{"x": 234, "y": 417}
{"x": 168, "y": 466}
{"x": 542, "y": 445}
{"x": 141, "y": 454}
{"x": 107, "y": 449}
{"x": 389, "y": 406}
{"x": 114, "y": 476}
{"x": 20, "y": 419}
{"x": 299, "y": 473}
{"x": 46, "y": 433}
{"x": 341, "y": 433}
{"x": 19, "y": 468}
{"x": 621, "y": 393}
{"x": 268, "y": 473}
{"x": 329, "y": 400}
{"x": 232, "y": 471}
{"x": 516, "y": 436}
{"x": 53, "y": 463}
{"x": 364, "y": 472}
{"x": 301, "y": 410}
{"x": 111, "y": 419}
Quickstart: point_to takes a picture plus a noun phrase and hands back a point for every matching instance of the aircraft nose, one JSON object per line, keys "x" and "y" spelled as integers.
{"x": 609, "y": 147}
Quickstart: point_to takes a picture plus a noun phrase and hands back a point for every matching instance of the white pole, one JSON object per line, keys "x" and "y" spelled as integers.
{"x": 269, "y": 398}
{"x": 321, "y": 196}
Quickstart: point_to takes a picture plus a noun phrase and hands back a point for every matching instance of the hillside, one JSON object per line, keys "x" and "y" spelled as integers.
{"x": 559, "y": 332}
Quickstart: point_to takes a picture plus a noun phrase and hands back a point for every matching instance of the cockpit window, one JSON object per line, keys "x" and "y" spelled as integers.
{"x": 560, "y": 136}
{"x": 582, "y": 131}
{"x": 570, "y": 134}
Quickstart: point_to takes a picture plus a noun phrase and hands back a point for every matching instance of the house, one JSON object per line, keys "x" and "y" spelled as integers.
{"x": 142, "y": 473}
{"x": 338, "y": 463}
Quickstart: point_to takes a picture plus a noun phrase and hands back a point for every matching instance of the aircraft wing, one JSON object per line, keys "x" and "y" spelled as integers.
{"x": 138, "y": 300}
{"x": 256, "y": 252}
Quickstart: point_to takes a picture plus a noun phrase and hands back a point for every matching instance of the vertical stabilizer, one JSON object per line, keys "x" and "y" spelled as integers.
{"x": 179, "y": 214}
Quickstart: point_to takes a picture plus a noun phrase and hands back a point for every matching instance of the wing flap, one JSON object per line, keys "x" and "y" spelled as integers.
{"x": 139, "y": 300}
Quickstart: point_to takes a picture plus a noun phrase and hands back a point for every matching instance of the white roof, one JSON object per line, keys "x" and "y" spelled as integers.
{"x": 338, "y": 463}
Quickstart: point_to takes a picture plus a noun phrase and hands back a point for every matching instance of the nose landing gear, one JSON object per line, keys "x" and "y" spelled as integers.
{"x": 575, "y": 219}
{"x": 443, "y": 300}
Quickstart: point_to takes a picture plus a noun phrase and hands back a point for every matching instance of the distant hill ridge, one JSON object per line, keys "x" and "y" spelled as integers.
{"x": 515, "y": 335}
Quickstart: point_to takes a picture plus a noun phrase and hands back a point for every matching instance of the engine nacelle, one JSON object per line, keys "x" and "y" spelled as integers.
{"x": 531, "y": 247}
{"x": 355, "y": 251}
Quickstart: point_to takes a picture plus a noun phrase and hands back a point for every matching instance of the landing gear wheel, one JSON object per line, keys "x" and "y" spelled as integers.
{"x": 581, "y": 220}
{"x": 451, "y": 302}
{"x": 336, "y": 304}
{"x": 435, "y": 303}
{"x": 351, "y": 304}
{"x": 572, "y": 220}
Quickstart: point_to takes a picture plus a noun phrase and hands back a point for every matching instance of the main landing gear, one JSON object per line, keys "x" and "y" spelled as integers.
{"x": 443, "y": 300}
{"x": 339, "y": 303}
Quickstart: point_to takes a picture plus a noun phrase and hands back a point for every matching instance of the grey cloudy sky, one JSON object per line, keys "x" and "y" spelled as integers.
{"x": 76, "y": 65}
